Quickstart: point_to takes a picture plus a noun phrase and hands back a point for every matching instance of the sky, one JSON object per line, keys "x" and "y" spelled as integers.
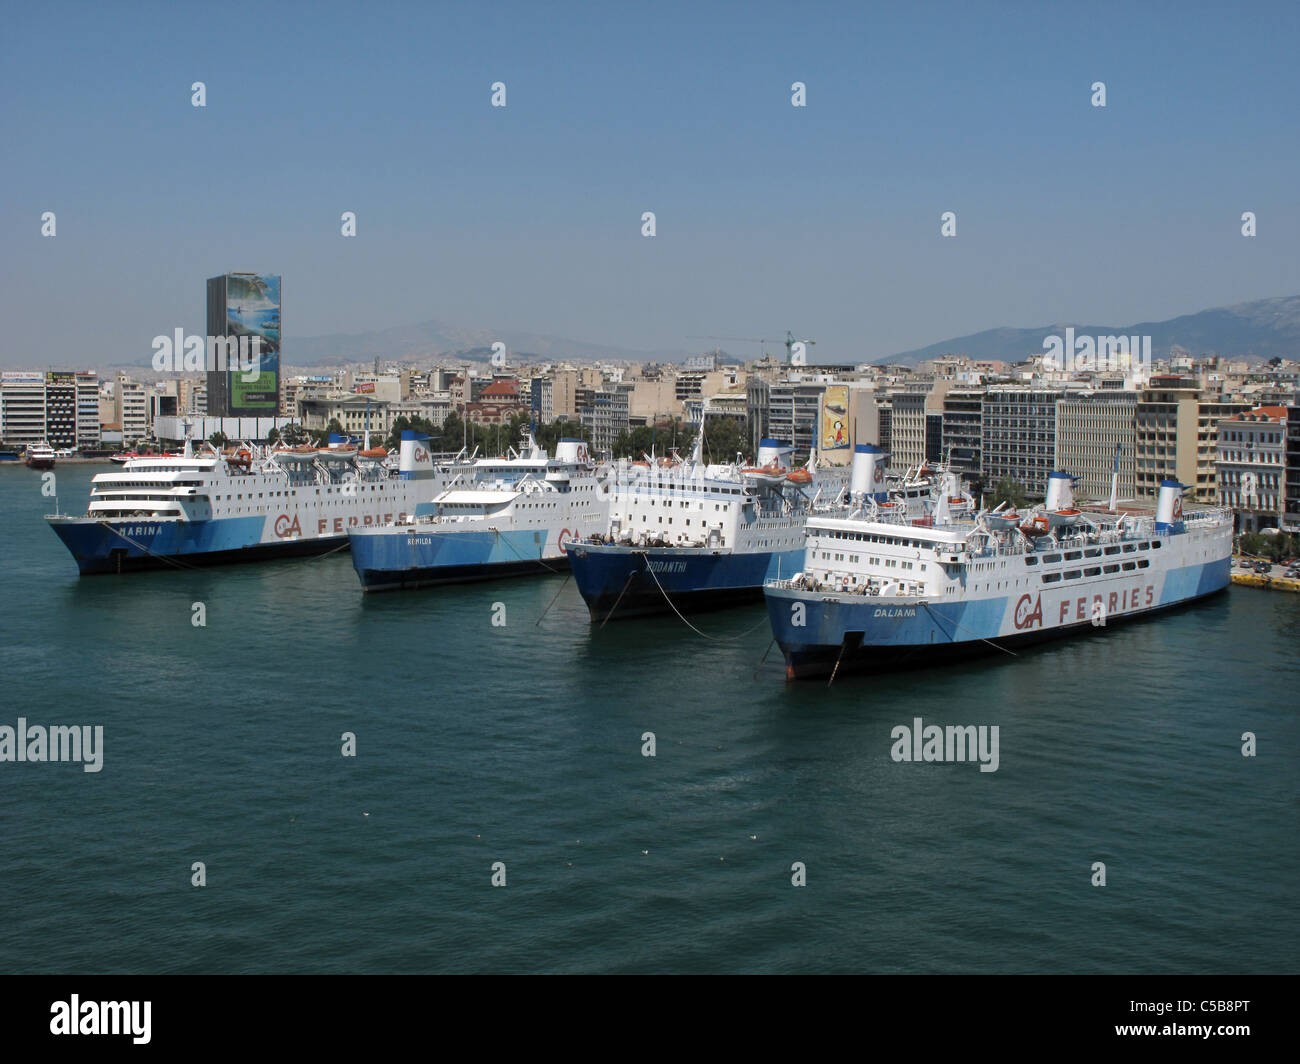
{"x": 823, "y": 219}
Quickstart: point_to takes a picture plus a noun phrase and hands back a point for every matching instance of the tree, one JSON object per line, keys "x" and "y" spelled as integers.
{"x": 218, "y": 440}
{"x": 723, "y": 439}
{"x": 294, "y": 435}
{"x": 1012, "y": 492}
{"x": 273, "y": 437}
{"x": 1274, "y": 548}
{"x": 402, "y": 423}
{"x": 549, "y": 436}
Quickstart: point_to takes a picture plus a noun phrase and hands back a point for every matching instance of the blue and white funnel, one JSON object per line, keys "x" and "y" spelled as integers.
{"x": 773, "y": 452}
{"x": 1060, "y": 491}
{"x": 570, "y": 450}
{"x": 867, "y": 477}
{"x": 415, "y": 462}
{"x": 1169, "y": 506}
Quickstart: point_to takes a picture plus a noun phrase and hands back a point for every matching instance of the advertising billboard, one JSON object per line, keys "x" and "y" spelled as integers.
{"x": 835, "y": 418}
{"x": 253, "y": 310}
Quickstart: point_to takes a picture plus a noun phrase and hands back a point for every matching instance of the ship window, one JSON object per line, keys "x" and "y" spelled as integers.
{"x": 1094, "y": 571}
{"x": 1129, "y": 565}
{"x": 1051, "y": 557}
{"x": 1112, "y": 550}
{"x": 1144, "y": 546}
{"x": 1156, "y": 544}
{"x": 1073, "y": 574}
{"x": 1073, "y": 556}
{"x": 1051, "y": 578}
{"x": 1031, "y": 561}
{"x": 1092, "y": 552}
{"x": 1111, "y": 568}
{"x": 1129, "y": 548}
{"x": 1144, "y": 563}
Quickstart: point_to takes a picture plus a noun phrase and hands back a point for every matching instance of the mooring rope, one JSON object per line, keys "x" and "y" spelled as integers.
{"x": 715, "y": 638}
{"x": 538, "y": 560}
{"x": 965, "y": 629}
{"x": 140, "y": 546}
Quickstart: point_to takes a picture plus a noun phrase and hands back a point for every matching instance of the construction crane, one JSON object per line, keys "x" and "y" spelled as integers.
{"x": 789, "y": 341}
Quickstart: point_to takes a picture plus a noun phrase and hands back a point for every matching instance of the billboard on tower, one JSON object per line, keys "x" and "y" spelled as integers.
{"x": 244, "y": 307}
{"x": 835, "y": 419}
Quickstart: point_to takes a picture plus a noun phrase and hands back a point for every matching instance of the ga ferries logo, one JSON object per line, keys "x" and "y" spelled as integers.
{"x": 1028, "y": 616}
{"x": 284, "y": 527}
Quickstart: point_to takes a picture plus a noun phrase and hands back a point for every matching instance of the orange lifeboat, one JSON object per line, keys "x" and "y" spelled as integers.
{"x": 1036, "y": 525}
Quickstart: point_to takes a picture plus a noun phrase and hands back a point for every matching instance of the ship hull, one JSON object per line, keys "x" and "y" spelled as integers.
{"x": 821, "y": 634}
{"x": 113, "y": 547}
{"x": 407, "y": 559}
{"x": 622, "y": 582}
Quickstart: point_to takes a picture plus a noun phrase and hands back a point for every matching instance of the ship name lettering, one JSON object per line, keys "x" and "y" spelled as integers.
{"x": 1027, "y": 616}
{"x": 1117, "y": 602}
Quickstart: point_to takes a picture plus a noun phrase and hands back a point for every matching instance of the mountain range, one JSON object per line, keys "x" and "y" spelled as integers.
{"x": 1263, "y": 329}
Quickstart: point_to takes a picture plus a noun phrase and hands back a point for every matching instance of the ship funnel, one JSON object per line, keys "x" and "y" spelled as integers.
{"x": 867, "y": 477}
{"x": 570, "y": 450}
{"x": 1169, "y": 506}
{"x": 415, "y": 462}
{"x": 772, "y": 452}
{"x": 1060, "y": 491}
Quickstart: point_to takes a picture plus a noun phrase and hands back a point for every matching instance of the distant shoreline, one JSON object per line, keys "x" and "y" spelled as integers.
{"x": 57, "y": 462}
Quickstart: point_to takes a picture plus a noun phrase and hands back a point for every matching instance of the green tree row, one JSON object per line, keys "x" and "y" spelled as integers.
{"x": 1275, "y": 548}
{"x": 723, "y": 440}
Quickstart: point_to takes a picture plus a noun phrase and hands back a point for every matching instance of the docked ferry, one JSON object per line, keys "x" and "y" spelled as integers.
{"x": 40, "y": 456}
{"x": 876, "y": 592}
{"x": 684, "y": 535}
{"x": 248, "y": 503}
{"x": 510, "y": 516}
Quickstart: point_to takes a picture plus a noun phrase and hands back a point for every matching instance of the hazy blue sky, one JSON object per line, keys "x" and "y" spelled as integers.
{"x": 822, "y": 219}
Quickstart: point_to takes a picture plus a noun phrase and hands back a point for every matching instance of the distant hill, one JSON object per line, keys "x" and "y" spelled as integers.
{"x": 1264, "y": 329}
{"x": 433, "y": 339}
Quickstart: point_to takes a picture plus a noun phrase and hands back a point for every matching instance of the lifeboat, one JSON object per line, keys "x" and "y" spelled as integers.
{"x": 768, "y": 474}
{"x": 799, "y": 476}
{"x": 1006, "y": 519}
{"x": 375, "y": 454}
{"x": 294, "y": 454}
{"x": 1066, "y": 516}
{"x": 336, "y": 454}
{"x": 1038, "y": 525}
